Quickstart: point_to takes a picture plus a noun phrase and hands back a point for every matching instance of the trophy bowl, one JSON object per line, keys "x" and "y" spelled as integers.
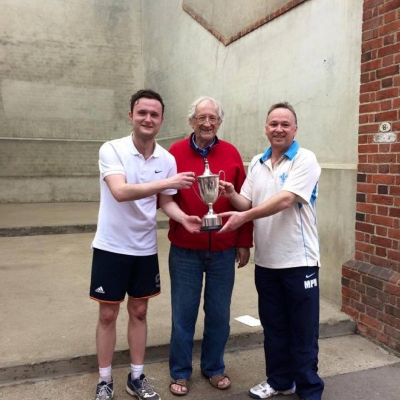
{"x": 208, "y": 184}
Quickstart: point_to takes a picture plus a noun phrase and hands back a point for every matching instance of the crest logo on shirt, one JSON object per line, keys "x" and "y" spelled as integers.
{"x": 283, "y": 178}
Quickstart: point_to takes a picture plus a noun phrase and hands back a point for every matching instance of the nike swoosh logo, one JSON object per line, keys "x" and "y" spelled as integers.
{"x": 157, "y": 172}
{"x": 309, "y": 276}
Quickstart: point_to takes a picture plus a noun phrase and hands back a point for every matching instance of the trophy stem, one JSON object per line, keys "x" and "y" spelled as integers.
{"x": 211, "y": 221}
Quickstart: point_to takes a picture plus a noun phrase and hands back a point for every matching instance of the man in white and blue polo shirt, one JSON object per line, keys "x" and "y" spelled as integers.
{"x": 279, "y": 194}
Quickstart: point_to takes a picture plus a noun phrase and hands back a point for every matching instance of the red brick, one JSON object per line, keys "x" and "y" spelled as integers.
{"x": 372, "y": 302}
{"x": 368, "y": 168}
{"x": 360, "y": 307}
{"x": 372, "y": 4}
{"x": 382, "y": 210}
{"x": 387, "y": 200}
{"x": 387, "y": 93}
{"x": 370, "y": 128}
{"x": 383, "y": 179}
{"x": 367, "y": 228}
{"x": 394, "y": 212}
{"x": 395, "y": 279}
{"x": 392, "y": 5}
{"x": 366, "y": 208}
{"x": 385, "y": 30}
{"x": 382, "y": 158}
{"x": 366, "y": 67}
{"x": 394, "y": 255}
{"x": 386, "y": 116}
{"x": 350, "y": 311}
{"x": 361, "y": 288}
{"x": 393, "y": 289}
{"x": 393, "y": 311}
{"x": 366, "y": 188}
{"x": 381, "y": 251}
{"x": 381, "y": 241}
{"x": 381, "y": 220}
{"x": 381, "y": 231}
{"x": 372, "y": 24}
{"x": 371, "y": 322}
{"x": 388, "y": 71}
{"x": 384, "y": 168}
{"x": 394, "y": 233}
{"x": 382, "y": 338}
{"x": 351, "y": 274}
{"x": 375, "y": 43}
{"x": 364, "y": 98}
{"x": 370, "y": 281}
{"x": 368, "y": 148}
{"x": 371, "y": 312}
{"x": 351, "y": 293}
{"x": 392, "y": 332}
{"x": 387, "y": 104}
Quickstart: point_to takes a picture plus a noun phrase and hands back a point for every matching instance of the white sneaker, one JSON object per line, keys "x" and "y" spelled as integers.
{"x": 265, "y": 391}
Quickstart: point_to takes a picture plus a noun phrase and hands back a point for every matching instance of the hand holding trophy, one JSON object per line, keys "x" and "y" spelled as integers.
{"x": 209, "y": 191}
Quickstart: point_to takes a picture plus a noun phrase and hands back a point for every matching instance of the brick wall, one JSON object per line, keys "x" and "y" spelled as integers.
{"x": 371, "y": 281}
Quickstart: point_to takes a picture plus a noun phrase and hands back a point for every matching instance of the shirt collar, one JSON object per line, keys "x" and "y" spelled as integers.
{"x": 134, "y": 150}
{"x": 290, "y": 152}
{"x": 203, "y": 152}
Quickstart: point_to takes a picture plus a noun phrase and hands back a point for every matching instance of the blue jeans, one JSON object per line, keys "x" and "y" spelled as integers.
{"x": 187, "y": 268}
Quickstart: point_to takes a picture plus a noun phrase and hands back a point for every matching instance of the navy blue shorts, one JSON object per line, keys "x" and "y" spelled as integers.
{"x": 115, "y": 275}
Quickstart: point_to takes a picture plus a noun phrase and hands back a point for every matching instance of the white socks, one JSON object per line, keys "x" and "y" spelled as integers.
{"x": 136, "y": 371}
{"x": 105, "y": 374}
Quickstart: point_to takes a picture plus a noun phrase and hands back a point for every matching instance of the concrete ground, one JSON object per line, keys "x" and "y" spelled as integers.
{"x": 47, "y": 347}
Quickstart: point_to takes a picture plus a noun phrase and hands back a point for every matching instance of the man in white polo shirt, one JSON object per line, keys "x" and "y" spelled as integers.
{"x": 133, "y": 171}
{"x": 279, "y": 194}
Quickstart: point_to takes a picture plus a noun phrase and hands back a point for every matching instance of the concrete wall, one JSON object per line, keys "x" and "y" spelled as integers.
{"x": 309, "y": 56}
{"x": 67, "y": 70}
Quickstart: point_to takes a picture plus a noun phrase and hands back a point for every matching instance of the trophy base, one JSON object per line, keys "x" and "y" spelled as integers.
{"x": 211, "y": 223}
{"x": 210, "y": 228}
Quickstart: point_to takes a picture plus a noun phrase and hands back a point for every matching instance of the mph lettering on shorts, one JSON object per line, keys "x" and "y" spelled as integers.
{"x": 310, "y": 283}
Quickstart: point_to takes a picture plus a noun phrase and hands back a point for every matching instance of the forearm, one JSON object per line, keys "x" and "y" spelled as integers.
{"x": 137, "y": 191}
{"x": 271, "y": 206}
{"x": 171, "y": 209}
{"x": 239, "y": 202}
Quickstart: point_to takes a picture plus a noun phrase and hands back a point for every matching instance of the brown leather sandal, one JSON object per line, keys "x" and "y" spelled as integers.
{"x": 183, "y": 383}
{"x": 216, "y": 379}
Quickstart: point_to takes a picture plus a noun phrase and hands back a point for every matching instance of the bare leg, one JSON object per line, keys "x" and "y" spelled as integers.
{"x": 106, "y": 334}
{"x": 137, "y": 329}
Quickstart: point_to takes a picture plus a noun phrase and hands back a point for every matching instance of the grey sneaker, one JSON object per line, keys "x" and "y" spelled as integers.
{"x": 265, "y": 391}
{"x": 141, "y": 388}
{"x": 104, "y": 391}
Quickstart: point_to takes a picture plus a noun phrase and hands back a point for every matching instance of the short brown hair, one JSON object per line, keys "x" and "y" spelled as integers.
{"x": 147, "y": 94}
{"x": 283, "y": 104}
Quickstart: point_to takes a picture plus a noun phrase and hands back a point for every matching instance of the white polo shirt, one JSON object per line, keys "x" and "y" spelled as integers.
{"x": 289, "y": 238}
{"x": 129, "y": 227}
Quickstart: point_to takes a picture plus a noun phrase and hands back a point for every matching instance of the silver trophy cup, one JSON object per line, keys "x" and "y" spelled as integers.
{"x": 209, "y": 191}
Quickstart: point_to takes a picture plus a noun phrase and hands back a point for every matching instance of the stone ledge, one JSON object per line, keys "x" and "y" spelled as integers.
{"x": 385, "y": 274}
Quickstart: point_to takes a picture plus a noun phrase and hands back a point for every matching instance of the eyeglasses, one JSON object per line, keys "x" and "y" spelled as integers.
{"x": 203, "y": 119}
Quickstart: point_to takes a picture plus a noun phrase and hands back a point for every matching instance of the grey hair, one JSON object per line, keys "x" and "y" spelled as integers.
{"x": 217, "y": 104}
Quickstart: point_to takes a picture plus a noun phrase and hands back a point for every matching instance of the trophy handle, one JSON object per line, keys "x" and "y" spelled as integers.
{"x": 198, "y": 196}
{"x": 219, "y": 174}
